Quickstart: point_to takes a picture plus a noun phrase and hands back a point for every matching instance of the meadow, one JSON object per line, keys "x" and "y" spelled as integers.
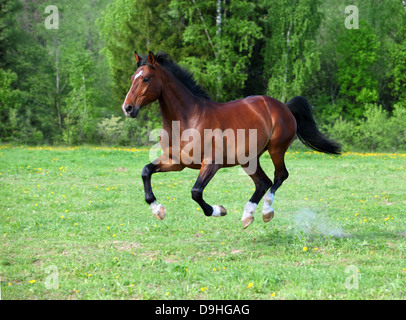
{"x": 74, "y": 225}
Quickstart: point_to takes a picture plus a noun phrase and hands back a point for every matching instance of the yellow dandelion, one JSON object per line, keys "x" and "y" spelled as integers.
{"x": 32, "y": 281}
{"x": 304, "y": 248}
{"x": 273, "y": 294}
{"x": 250, "y": 285}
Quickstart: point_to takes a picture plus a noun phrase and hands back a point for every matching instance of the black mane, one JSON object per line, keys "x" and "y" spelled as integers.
{"x": 184, "y": 76}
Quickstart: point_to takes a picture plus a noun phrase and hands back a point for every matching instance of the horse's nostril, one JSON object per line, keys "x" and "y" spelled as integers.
{"x": 129, "y": 108}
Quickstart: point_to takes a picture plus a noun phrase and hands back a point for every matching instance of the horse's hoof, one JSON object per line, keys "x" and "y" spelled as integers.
{"x": 246, "y": 221}
{"x": 219, "y": 211}
{"x": 161, "y": 213}
{"x": 223, "y": 211}
{"x": 158, "y": 210}
{"x": 268, "y": 216}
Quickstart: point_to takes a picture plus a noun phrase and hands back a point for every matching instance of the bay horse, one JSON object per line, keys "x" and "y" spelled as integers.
{"x": 186, "y": 107}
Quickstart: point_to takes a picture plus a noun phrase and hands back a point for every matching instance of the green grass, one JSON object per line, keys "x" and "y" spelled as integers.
{"x": 82, "y": 211}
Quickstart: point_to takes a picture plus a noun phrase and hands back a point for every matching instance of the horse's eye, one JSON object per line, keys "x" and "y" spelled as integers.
{"x": 145, "y": 80}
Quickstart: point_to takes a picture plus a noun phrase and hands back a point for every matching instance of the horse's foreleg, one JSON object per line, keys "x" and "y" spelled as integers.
{"x": 149, "y": 169}
{"x": 206, "y": 173}
{"x": 262, "y": 184}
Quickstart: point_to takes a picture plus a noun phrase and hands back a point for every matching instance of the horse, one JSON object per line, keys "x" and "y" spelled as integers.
{"x": 194, "y": 135}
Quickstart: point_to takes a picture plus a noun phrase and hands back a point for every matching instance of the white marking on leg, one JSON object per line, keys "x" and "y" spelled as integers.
{"x": 249, "y": 210}
{"x": 216, "y": 211}
{"x": 155, "y": 207}
{"x": 267, "y": 210}
{"x": 268, "y": 200}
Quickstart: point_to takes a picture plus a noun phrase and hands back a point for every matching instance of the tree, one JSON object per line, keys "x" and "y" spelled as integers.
{"x": 219, "y": 38}
{"x": 291, "y": 57}
{"x": 140, "y": 25}
{"x": 398, "y": 72}
{"x": 357, "y": 50}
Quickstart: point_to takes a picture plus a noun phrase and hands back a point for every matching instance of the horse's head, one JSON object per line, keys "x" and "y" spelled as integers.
{"x": 145, "y": 86}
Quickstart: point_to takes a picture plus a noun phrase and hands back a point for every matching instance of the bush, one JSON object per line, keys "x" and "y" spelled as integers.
{"x": 130, "y": 132}
{"x": 111, "y": 130}
{"x": 377, "y": 131}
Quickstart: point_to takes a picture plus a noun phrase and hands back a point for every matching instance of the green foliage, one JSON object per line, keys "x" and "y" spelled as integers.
{"x": 357, "y": 50}
{"x": 62, "y": 86}
{"x": 9, "y": 103}
{"x": 220, "y": 37}
{"x": 398, "y": 72}
{"x": 290, "y": 55}
{"x": 110, "y": 130}
{"x": 377, "y": 131}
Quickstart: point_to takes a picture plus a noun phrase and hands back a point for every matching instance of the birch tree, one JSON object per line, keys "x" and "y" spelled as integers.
{"x": 291, "y": 57}
{"x": 219, "y": 37}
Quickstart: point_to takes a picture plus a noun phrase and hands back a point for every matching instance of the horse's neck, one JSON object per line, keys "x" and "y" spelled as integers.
{"x": 177, "y": 103}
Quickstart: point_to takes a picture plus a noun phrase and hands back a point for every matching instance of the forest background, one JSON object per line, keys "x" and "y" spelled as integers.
{"x": 64, "y": 77}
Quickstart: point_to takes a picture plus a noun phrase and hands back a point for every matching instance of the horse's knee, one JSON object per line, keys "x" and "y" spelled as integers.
{"x": 197, "y": 195}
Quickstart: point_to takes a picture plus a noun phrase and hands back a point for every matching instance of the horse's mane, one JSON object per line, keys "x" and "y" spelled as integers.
{"x": 184, "y": 76}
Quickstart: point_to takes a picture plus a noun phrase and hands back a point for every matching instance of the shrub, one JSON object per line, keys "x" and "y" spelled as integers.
{"x": 111, "y": 130}
{"x": 377, "y": 131}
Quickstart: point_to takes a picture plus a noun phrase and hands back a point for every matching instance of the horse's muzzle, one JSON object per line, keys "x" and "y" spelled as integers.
{"x": 131, "y": 111}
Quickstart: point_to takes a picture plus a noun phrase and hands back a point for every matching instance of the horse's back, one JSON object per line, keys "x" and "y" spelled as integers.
{"x": 282, "y": 122}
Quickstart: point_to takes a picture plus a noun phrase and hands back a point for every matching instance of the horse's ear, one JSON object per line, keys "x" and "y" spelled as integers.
{"x": 137, "y": 57}
{"x": 151, "y": 58}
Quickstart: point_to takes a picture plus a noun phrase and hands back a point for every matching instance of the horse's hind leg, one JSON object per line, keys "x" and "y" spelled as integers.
{"x": 281, "y": 174}
{"x": 262, "y": 184}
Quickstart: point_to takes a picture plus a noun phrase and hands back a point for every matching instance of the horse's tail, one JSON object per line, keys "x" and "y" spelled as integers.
{"x": 307, "y": 130}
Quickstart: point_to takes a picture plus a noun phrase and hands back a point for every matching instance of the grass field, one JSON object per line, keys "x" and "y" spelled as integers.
{"x": 74, "y": 225}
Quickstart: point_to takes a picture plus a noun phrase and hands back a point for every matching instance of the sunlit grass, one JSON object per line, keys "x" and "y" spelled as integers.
{"x": 81, "y": 209}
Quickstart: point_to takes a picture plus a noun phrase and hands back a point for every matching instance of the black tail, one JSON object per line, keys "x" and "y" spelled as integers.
{"x": 307, "y": 130}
